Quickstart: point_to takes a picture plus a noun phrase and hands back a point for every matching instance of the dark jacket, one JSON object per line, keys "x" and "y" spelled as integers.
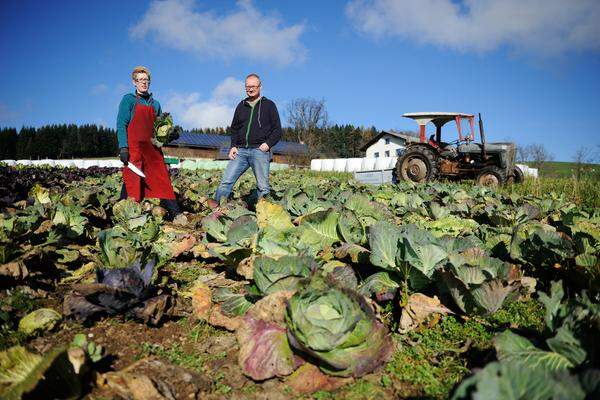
{"x": 265, "y": 126}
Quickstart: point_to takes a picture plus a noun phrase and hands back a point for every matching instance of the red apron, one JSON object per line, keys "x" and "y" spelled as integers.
{"x": 147, "y": 157}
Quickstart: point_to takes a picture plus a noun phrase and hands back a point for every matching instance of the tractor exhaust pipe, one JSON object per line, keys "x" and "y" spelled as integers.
{"x": 482, "y": 134}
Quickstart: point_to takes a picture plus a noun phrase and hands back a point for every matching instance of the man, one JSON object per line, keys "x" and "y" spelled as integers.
{"x": 255, "y": 129}
{"x": 135, "y": 128}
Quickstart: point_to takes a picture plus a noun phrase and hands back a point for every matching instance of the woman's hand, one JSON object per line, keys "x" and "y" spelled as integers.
{"x": 124, "y": 155}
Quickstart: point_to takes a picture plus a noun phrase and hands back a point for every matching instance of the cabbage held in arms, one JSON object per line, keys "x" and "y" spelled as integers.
{"x": 338, "y": 329}
{"x": 164, "y": 130}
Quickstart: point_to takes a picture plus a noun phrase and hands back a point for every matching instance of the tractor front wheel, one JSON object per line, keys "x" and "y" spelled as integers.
{"x": 491, "y": 176}
{"x": 518, "y": 176}
{"x": 417, "y": 165}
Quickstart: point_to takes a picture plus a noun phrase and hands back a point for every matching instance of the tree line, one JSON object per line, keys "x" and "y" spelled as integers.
{"x": 58, "y": 141}
{"x": 306, "y": 121}
{"x": 87, "y": 141}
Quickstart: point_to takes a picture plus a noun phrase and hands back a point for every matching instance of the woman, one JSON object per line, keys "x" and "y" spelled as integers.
{"x": 135, "y": 128}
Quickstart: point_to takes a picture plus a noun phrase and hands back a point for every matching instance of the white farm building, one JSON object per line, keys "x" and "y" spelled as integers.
{"x": 387, "y": 144}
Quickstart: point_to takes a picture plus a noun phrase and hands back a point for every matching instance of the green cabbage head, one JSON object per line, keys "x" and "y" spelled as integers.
{"x": 118, "y": 248}
{"x": 338, "y": 329}
{"x": 164, "y": 130}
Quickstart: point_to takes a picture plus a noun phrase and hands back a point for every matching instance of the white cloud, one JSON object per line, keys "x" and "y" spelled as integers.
{"x": 102, "y": 122}
{"x": 244, "y": 32}
{"x": 191, "y": 111}
{"x": 123, "y": 88}
{"x": 7, "y": 114}
{"x": 100, "y": 88}
{"x": 547, "y": 27}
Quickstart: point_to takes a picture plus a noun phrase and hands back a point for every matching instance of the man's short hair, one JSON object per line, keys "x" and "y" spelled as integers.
{"x": 140, "y": 70}
{"x": 253, "y": 75}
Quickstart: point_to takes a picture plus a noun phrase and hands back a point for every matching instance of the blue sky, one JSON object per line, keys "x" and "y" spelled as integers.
{"x": 529, "y": 66}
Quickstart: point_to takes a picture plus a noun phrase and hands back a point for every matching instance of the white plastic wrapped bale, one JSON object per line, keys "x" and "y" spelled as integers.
{"x": 327, "y": 165}
{"x": 24, "y": 162}
{"x": 532, "y": 172}
{"x": 221, "y": 164}
{"x": 104, "y": 163}
{"x": 10, "y": 163}
{"x": 353, "y": 164}
{"x": 315, "y": 165}
{"x": 39, "y": 163}
{"x": 62, "y": 163}
{"x": 339, "y": 164}
{"x": 278, "y": 167}
{"x": 202, "y": 164}
{"x": 189, "y": 164}
{"x": 210, "y": 165}
{"x": 527, "y": 171}
{"x": 91, "y": 163}
{"x": 115, "y": 163}
{"x": 382, "y": 163}
{"x": 523, "y": 167}
{"x": 368, "y": 164}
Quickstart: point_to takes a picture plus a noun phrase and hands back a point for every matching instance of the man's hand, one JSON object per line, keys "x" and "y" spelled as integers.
{"x": 124, "y": 155}
{"x": 264, "y": 147}
{"x": 233, "y": 153}
{"x": 177, "y": 130}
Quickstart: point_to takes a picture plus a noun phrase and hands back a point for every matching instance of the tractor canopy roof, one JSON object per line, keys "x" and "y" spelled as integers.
{"x": 438, "y": 118}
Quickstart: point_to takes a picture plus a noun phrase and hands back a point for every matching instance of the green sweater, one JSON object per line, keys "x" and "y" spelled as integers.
{"x": 126, "y": 111}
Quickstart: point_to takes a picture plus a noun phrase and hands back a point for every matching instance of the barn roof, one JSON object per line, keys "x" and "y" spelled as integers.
{"x": 222, "y": 143}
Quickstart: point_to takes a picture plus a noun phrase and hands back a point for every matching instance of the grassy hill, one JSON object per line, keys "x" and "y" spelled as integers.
{"x": 560, "y": 169}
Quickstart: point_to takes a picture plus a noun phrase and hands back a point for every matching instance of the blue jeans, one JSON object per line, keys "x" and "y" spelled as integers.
{"x": 246, "y": 158}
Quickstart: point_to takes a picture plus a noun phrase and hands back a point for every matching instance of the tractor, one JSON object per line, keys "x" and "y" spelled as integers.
{"x": 490, "y": 164}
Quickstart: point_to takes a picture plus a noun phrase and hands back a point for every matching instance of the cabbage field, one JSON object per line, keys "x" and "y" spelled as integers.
{"x": 327, "y": 289}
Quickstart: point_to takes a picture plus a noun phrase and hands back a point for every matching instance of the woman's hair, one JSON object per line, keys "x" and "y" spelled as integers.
{"x": 140, "y": 70}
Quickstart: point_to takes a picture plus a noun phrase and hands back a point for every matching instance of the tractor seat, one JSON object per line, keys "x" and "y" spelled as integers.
{"x": 435, "y": 143}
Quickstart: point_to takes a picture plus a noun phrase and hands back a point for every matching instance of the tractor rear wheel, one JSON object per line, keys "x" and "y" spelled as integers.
{"x": 418, "y": 164}
{"x": 491, "y": 176}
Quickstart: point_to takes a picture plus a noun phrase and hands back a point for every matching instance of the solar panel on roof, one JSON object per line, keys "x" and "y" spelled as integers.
{"x": 207, "y": 140}
{"x": 200, "y": 140}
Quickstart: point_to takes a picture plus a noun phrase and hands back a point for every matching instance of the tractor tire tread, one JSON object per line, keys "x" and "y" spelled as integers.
{"x": 424, "y": 153}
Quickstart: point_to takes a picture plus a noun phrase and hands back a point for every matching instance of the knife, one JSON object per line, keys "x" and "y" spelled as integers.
{"x": 135, "y": 170}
